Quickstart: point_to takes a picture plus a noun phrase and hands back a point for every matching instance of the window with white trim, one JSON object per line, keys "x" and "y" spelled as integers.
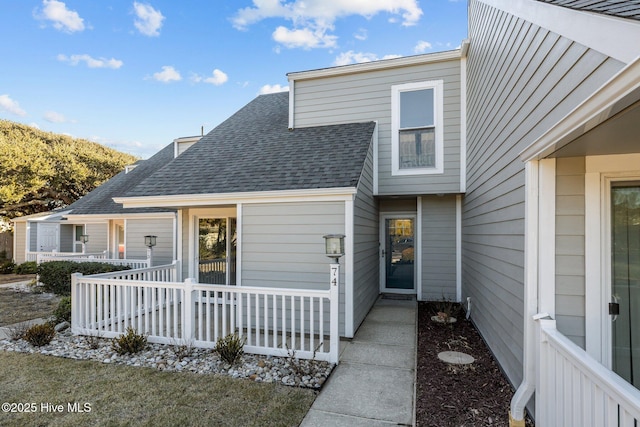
{"x": 417, "y": 135}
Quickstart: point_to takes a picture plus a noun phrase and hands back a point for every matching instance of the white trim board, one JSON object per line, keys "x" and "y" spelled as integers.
{"x": 614, "y": 37}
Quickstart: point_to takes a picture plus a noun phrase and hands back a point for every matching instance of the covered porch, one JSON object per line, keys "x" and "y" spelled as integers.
{"x": 582, "y": 255}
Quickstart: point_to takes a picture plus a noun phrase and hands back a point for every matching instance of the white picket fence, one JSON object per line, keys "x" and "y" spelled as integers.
{"x": 41, "y": 257}
{"x": 37, "y": 256}
{"x": 576, "y": 390}
{"x": 274, "y": 321}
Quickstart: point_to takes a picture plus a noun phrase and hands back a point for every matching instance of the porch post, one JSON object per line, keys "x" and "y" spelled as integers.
{"x": 187, "y": 312}
{"x": 75, "y": 304}
{"x": 334, "y": 295}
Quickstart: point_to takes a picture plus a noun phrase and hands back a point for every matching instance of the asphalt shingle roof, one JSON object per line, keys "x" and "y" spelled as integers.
{"x": 621, "y": 8}
{"x": 100, "y": 201}
{"x": 254, "y": 150}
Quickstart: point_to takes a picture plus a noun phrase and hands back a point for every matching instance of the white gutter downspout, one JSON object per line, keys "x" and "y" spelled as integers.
{"x": 527, "y": 387}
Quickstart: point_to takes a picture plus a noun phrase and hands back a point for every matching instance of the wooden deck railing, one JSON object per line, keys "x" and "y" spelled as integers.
{"x": 41, "y": 257}
{"x": 274, "y": 321}
{"x": 573, "y": 389}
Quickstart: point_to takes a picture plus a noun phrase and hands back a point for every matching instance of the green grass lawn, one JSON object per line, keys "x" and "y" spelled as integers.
{"x": 123, "y": 395}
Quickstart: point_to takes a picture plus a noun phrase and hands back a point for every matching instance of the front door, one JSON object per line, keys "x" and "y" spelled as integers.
{"x": 216, "y": 250}
{"x": 47, "y": 237}
{"x": 625, "y": 281}
{"x": 398, "y": 264}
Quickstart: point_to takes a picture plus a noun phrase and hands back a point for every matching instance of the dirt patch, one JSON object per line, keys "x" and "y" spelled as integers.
{"x": 12, "y": 278}
{"x": 18, "y": 304}
{"x": 457, "y": 395}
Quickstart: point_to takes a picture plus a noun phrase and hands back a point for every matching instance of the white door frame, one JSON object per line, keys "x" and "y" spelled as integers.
{"x": 382, "y": 259}
{"x": 601, "y": 172}
{"x": 194, "y": 217}
{"x": 41, "y": 226}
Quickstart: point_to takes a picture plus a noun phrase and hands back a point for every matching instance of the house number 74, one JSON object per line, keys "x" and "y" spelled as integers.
{"x": 334, "y": 275}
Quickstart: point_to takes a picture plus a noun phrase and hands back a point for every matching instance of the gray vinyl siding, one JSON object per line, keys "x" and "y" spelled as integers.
{"x": 283, "y": 246}
{"x": 570, "y": 249}
{"x": 367, "y": 96}
{"x": 66, "y": 238}
{"x": 522, "y": 80}
{"x": 98, "y": 237}
{"x": 438, "y": 248}
{"x": 19, "y": 242}
{"x": 135, "y": 231}
{"x": 33, "y": 236}
{"x": 366, "y": 271}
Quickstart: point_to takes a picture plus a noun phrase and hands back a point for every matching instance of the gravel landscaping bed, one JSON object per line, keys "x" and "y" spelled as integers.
{"x": 283, "y": 370}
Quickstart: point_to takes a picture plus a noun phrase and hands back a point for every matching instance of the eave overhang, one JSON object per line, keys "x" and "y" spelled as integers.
{"x": 198, "y": 200}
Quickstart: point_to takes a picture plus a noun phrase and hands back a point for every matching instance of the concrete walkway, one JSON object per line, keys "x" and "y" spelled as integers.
{"x": 374, "y": 383}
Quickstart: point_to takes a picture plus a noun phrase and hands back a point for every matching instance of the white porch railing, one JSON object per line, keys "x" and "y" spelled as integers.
{"x": 279, "y": 322}
{"x": 576, "y": 390}
{"x": 35, "y": 256}
{"x": 97, "y": 257}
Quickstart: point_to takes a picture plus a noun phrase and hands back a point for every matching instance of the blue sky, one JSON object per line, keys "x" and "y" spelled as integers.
{"x": 134, "y": 75}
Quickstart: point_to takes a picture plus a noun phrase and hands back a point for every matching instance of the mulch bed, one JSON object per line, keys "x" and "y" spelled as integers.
{"x": 457, "y": 395}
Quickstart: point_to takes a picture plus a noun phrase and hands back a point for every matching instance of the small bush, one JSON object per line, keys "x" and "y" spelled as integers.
{"x": 6, "y": 267}
{"x": 230, "y": 348}
{"x": 29, "y": 267}
{"x": 130, "y": 342}
{"x": 56, "y": 275}
{"x": 62, "y": 313}
{"x": 39, "y": 335}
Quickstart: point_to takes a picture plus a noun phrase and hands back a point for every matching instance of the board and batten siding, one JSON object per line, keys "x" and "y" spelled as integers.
{"x": 570, "y": 248}
{"x": 19, "y": 242}
{"x": 438, "y": 248}
{"x": 366, "y": 96}
{"x": 135, "y": 231}
{"x": 283, "y": 246}
{"x": 522, "y": 79}
{"x": 366, "y": 257}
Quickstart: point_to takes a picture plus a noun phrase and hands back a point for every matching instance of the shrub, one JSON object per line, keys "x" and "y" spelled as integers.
{"x": 6, "y": 267}
{"x": 230, "y": 348}
{"x": 29, "y": 267}
{"x": 129, "y": 342}
{"x": 39, "y": 335}
{"x": 56, "y": 275}
{"x": 62, "y": 313}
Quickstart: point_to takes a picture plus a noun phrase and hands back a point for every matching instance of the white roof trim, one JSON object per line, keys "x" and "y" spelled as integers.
{"x": 193, "y": 200}
{"x": 377, "y": 65}
{"x": 42, "y": 216}
{"x": 590, "y": 113}
{"x": 612, "y": 36}
{"x": 102, "y": 217}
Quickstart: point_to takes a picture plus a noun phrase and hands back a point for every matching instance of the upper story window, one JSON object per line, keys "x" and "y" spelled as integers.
{"x": 417, "y": 134}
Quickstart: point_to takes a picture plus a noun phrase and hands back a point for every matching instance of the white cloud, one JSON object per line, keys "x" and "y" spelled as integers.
{"x": 149, "y": 20}
{"x": 273, "y": 89}
{"x": 53, "y": 117}
{"x": 217, "y": 78}
{"x": 361, "y": 34}
{"x": 11, "y": 106}
{"x": 304, "y": 38}
{"x": 91, "y": 62}
{"x": 63, "y": 19}
{"x": 312, "y": 20}
{"x": 351, "y": 57}
{"x": 168, "y": 74}
{"x": 422, "y": 46}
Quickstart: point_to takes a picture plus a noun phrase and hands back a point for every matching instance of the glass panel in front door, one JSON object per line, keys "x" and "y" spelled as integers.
{"x": 399, "y": 263}
{"x": 625, "y": 281}
{"x": 212, "y": 250}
